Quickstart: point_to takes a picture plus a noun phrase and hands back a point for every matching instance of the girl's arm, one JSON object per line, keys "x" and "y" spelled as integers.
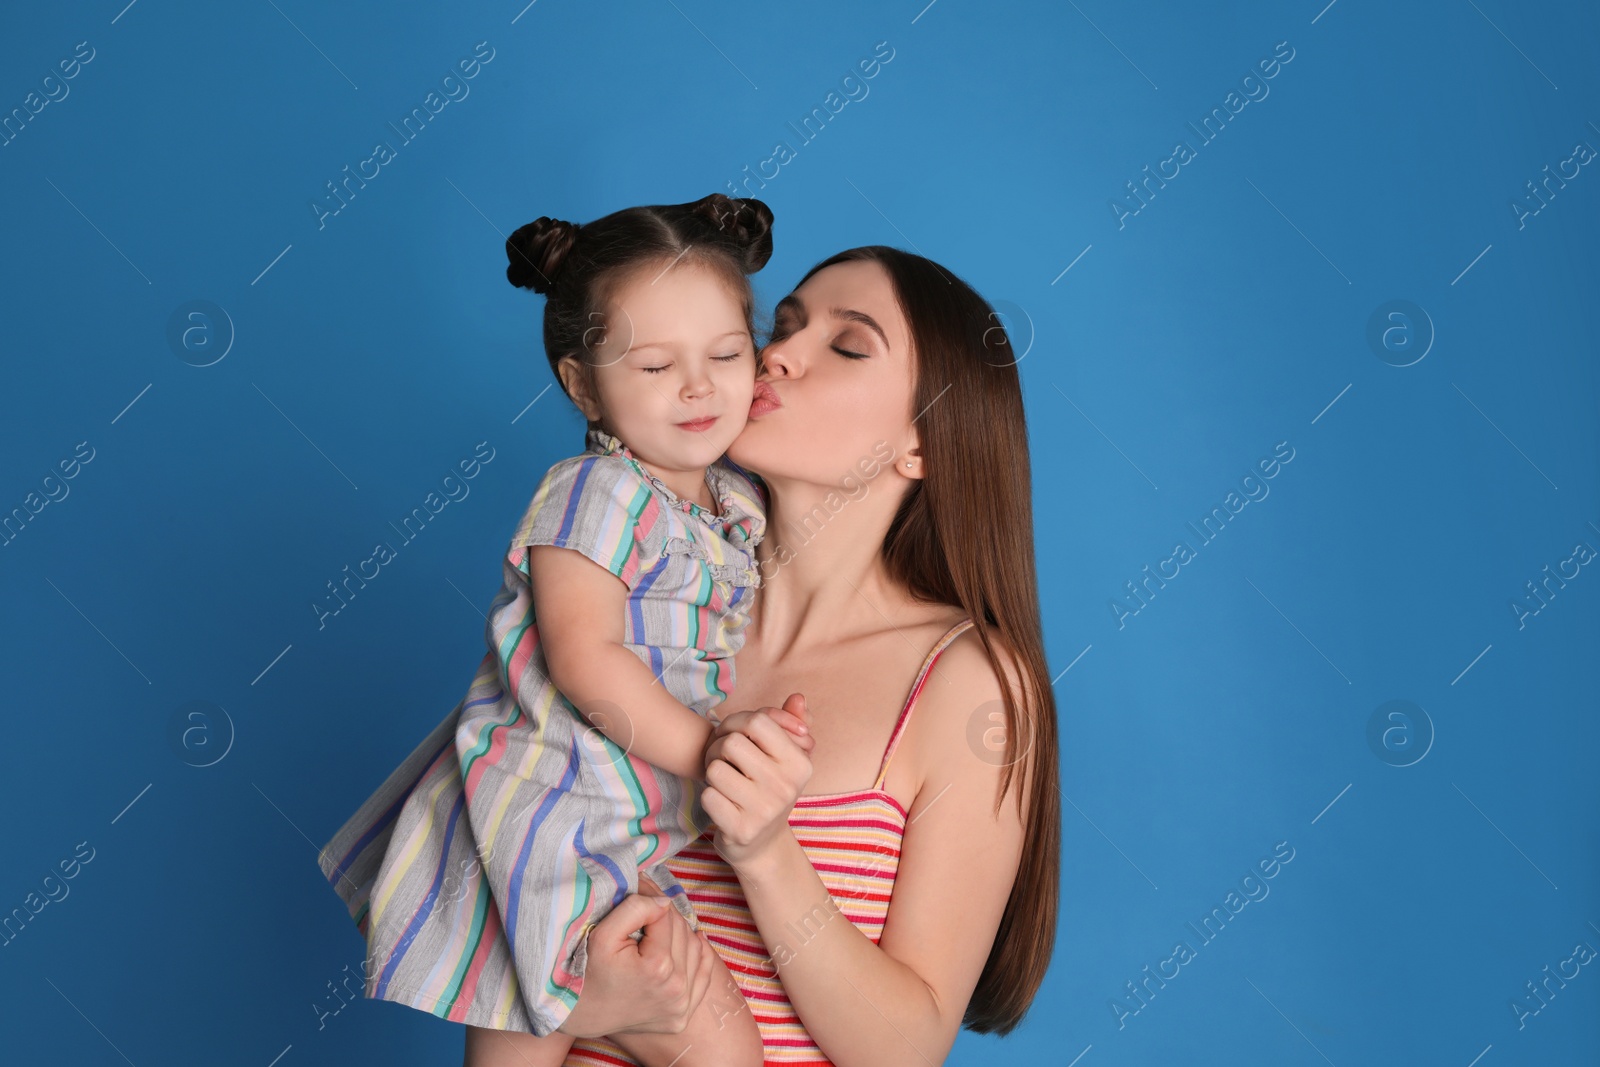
{"x": 900, "y": 1001}
{"x": 579, "y": 608}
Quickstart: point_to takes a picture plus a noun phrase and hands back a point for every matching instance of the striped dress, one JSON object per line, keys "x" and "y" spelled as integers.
{"x": 480, "y": 865}
{"x": 852, "y": 839}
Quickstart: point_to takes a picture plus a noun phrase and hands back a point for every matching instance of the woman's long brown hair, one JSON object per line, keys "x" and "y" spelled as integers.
{"x": 963, "y": 536}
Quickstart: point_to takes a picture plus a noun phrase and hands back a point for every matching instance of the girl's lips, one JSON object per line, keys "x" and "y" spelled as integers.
{"x": 764, "y": 400}
{"x": 698, "y": 424}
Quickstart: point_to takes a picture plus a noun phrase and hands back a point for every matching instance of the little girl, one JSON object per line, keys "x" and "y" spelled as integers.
{"x": 567, "y": 776}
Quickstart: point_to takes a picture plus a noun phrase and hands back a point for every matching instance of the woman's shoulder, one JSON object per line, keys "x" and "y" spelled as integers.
{"x": 966, "y": 664}
{"x": 962, "y": 706}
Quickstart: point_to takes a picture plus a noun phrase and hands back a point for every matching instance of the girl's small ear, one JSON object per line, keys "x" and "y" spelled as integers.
{"x": 575, "y": 382}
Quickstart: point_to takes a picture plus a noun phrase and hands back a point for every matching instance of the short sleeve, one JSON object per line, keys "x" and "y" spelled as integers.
{"x": 596, "y": 504}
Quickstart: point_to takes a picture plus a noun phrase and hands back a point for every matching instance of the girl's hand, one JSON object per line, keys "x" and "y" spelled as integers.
{"x": 755, "y": 769}
{"x": 652, "y": 985}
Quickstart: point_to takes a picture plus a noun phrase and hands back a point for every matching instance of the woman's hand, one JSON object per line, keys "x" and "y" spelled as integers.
{"x": 652, "y": 985}
{"x": 797, "y": 722}
{"x": 755, "y": 768}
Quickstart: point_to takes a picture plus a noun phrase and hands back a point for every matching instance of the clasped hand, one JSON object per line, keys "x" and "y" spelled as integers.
{"x": 756, "y": 764}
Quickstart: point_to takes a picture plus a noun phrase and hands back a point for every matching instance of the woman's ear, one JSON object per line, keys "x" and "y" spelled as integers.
{"x": 910, "y": 463}
{"x": 576, "y": 383}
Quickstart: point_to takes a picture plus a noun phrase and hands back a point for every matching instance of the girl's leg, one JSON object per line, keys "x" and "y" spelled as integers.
{"x": 514, "y": 1048}
{"x": 721, "y": 1033}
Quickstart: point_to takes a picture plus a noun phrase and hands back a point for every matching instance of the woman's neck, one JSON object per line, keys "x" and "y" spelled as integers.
{"x": 822, "y": 573}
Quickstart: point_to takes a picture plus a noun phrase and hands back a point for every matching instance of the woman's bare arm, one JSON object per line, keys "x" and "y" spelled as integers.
{"x": 901, "y": 1001}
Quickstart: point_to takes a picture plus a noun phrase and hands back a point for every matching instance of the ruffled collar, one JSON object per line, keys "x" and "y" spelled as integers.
{"x": 743, "y": 519}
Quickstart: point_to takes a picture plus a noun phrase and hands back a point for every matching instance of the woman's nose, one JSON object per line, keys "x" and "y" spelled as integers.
{"x": 776, "y": 361}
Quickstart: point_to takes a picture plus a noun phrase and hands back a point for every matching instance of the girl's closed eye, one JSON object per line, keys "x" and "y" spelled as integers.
{"x": 719, "y": 359}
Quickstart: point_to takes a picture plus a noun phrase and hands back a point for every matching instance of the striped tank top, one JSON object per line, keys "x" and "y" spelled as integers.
{"x": 852, "y": 839}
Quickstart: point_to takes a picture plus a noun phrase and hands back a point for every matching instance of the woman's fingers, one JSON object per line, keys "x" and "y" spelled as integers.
{"x": 794, "y": 716}
{"x": 774, "y": 743}
{"x": 757, "y": 752}
{"x": 636, "y": 910}
{"x": 687, "y": 957}
{"x": 788, "y": 720}
{"x": 760, "y": 727}
{"x": 736, "y": 790}
{"x": 718, "y": 807}
{"x": 754, "y": 768}
{"x": 660, "y": 949}
{"x": 797, "y": 727}
{"x": 648, "y": 986}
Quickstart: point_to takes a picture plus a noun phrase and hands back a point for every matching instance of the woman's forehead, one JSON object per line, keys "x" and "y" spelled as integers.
{"x": 858, "y": 278}
{"x": 853, "y": 290}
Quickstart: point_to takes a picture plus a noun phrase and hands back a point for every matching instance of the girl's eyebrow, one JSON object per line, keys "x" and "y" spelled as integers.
{"x": 791, "y": 304}
{"x": 673, "y": 344}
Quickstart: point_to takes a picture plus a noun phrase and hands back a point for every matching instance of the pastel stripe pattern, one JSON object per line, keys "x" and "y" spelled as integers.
{"x": 477, "y": 869}
{"x": 852, "y": 839}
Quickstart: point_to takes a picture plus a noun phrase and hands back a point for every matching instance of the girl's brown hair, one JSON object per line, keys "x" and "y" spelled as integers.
{"x": 579, "y": 267}
{"x": 963, "y": 536}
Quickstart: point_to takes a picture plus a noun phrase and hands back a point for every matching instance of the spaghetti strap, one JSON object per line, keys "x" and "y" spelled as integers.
{"x": 916, "y": 688}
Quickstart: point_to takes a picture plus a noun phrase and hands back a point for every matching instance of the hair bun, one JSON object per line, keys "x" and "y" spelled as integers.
{"x": 747, "y": 221}
{"x": 536, "y": 251}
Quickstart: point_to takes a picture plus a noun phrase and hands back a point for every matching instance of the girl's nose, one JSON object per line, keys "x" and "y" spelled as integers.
{"x": 696, "y": 386}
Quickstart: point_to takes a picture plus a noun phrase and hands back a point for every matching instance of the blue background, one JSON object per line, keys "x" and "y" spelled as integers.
{"x": 1230, "y": 313}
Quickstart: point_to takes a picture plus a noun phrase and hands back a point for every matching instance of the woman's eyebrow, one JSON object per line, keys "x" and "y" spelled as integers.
{"x": 791, "y": 305}
{"x": 862, "y": 317}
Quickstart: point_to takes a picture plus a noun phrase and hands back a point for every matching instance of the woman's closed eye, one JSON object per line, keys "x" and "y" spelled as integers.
{"x": 781, "y": 330}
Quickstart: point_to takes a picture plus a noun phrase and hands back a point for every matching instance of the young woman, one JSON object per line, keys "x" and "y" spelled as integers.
{"x": 898, "y": 577}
